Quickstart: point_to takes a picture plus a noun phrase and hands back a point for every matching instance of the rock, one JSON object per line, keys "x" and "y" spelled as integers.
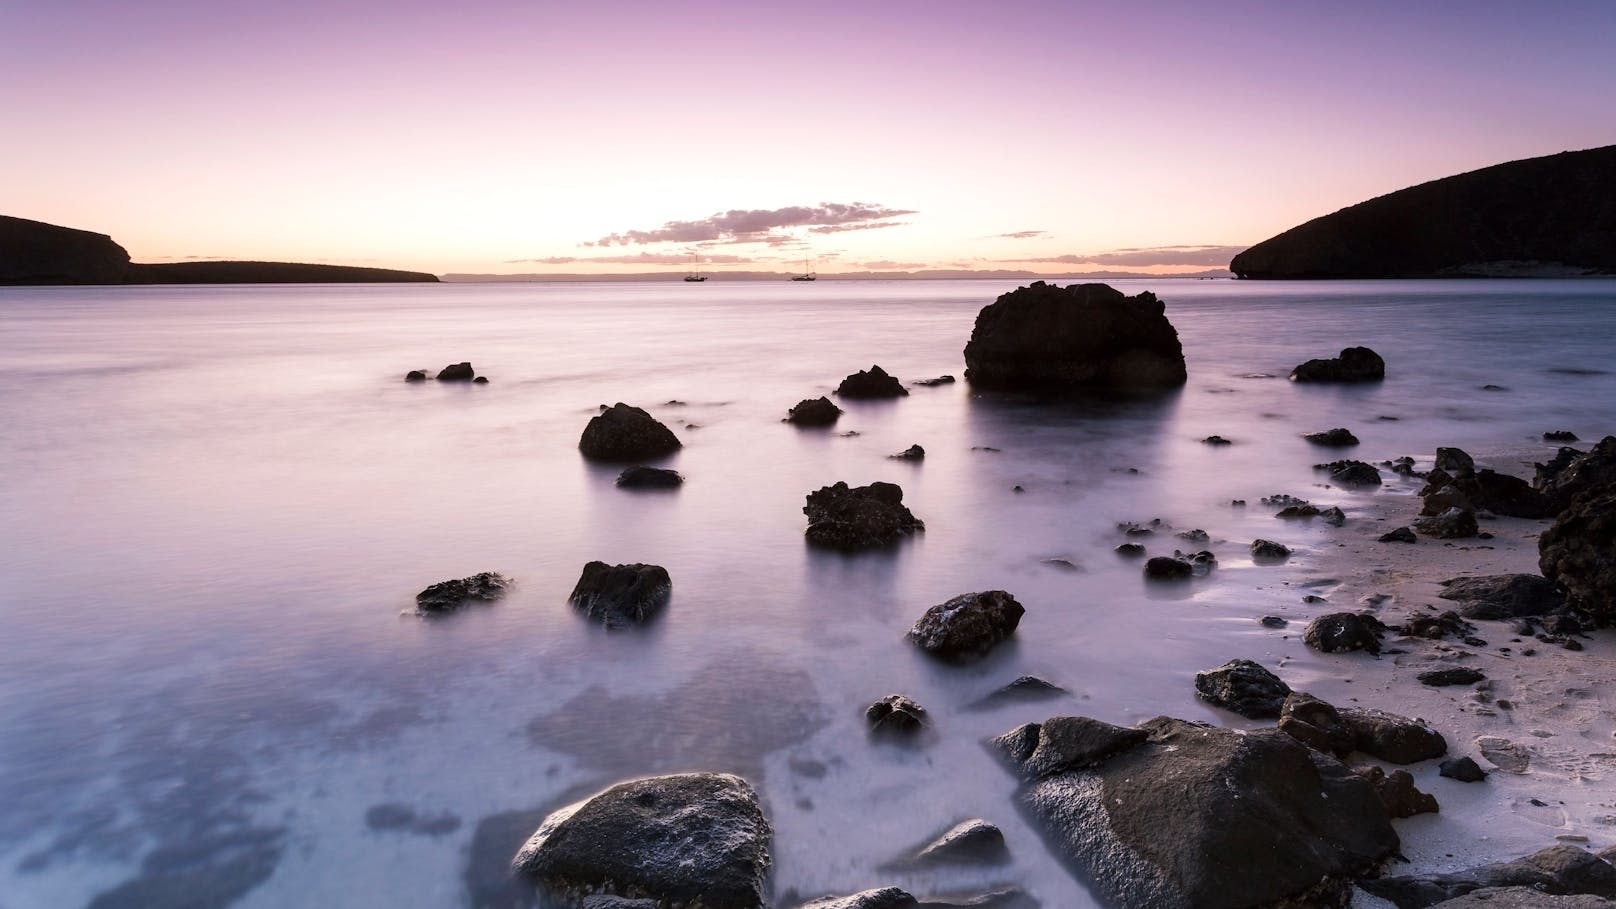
{"x": 1457, "y": 675}
{"x": 40, "y": 253}
{"x": 1196, "y": 535}
{"x": 1355, "y": 474}
{"x": 1269, "y": 551}
{"x": 814, "y": 412}
{"x": 1339, "y": 632}
{"x": 1353, "y": 364}
{"x": 415, "y": 375}
{"x": 1559, "y": 870}
{"x": 624, "y": 433}
{"x": 1059, "y": 744}
{"x": 447, "y": 596}
{"x": 643, "y": 477}
{"x": 1130, "y": 550}
{"x": 1463, "y": 769}
{"x": 1317, "y": 725}
{"x": 1574, "y": 473}
{"x": 1216, "y": 440}
{"x": 896, "y": 714}
{"x": 1398, "y": 792}
{"x": 971, "y": 842}
{"x": 1400, "y": 535}
{"x": 1086, "y": 335}
{"x": 1025, "y": 688}
{"x": 1560, "y": 435}
{"x": 1244, "y": 687}
{"x": 1273, "y": 621}
{"x": 1334, "y": 516}
{"x": 1436, "y": 627}
{"x": 1175, "y": 815}
{"x": 480, "y": 380}
{"x": 968, "y": 625}
{"x": 1483, "y": 490}
{"x": 1537, "y": 216}
{"x": 862, "y": 517}
{"x": 1339, "y": 437}
{"x": 1521, "y": 898}
{"x": 1503, "y": 596}
{"x": 1166, "y": 568}
{"x": 394, "y": 817}
{"x": 1454, "y": 460}
{"x": 1452, "y": 524}
{"x": 884, "y": 898}
{"x": 1579, "y": 553}
{"x": 1392, "y": 738}
{"x": 940, "y": 380}
{"x": 618, "y": 595}
{"x": 872, "y": 383}
{"x": 1504, "y": 754}
{"x": 912, "y": 453}
{"x": 685, "y": 838}
{"x": 456, "y": 372}
{"x": 1299, "y": 510}
{"x": 200, "y": 871}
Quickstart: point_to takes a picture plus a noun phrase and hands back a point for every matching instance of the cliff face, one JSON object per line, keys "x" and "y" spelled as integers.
{"x": 1551, "y": 216}
{"x": 32, "y": 252}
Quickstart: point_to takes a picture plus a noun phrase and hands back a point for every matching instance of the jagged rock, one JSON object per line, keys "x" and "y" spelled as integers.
{"x": 457, "y": 372}
{"x": 1452, "y": 524}
{"x": 968, "y": 625}
{"x": 820, "y": 411}
{"x": 1356, "y": 474}
{"x": 624, "y": 433}
{"x": 1454, "y": 461}
{"x": 1244, "y": 687}
{"x": 643, "y": 477}
{"x": 1339, "y": 437}
{"x": 1084, "y": 335}
{"x": 1557, "y": 870}
{"x": 870, "y": 384}
{"x": 896, "y": 714}
{"x": 1269, "y": 551}
{"x": 1579, "y": 553}
{"x": 861, "y": 517}
{"x": 1463, "y": 769}
{"x": 1338, "y": 632}
{"x": 970, "y": 842}
{"x": 686, "y": 838}
{"x": 1573, "y": 473}
{"x": 1177, "y": 815}
{"x": 447, "y": 596}
{"x": 1353, "y": 364}
{"x": 912, "y": 453}
{"x": 415, "y": 375}
{"x": 1456, "y": 675}
{"x": 618, "y": 595}
{"x": 1503, "y": 596}
{"x": 1398, "y": 792}
{"x": 1400, "y": 535}
{"x": 1166, "y": 568}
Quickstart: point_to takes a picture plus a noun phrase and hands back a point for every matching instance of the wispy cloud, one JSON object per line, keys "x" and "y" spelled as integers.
{"x": 1202, "y": 256}
{"x": 644, "y": 258}
{"x": 761, "y": 225}
{"x": 1019, "y": 235}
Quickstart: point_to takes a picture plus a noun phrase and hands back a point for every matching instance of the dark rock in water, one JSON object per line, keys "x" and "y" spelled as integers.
{"x": 1398, "y": 792}
{"x": 1299, "y": 510}
{"x": 1521, "y": 898}
{"x": 896, "y": 713}
{"x": 643, "y": 477}
{"x": 1455, "y": 461}
{"x": 1273, "y": 621}
{"x": 1457, "y": 675}
{"x": 967, "y": 625}
{"x": 480, "y": 380}
{"x": 1543, "y": 216}
{"x": 1064, "y": 743}
{"x": 624, "y": 433}
{"x": 205, "y": 872}
{"x": 394, "y": 817}
{"x": 1484, "y": 489}
{"x": 1176, "y": 815}
{"x": 1560, "y": 435}
{"x": 1392, "y": 738}
{"x": 1572, "y": 473}
{"x": 1316, "y": 724}
{"x": 689, "y": 838}
{"x": 1400, "y": 535}
{"x": 1561, "y": 870}
{"x": 456, "y": 372}
{"x": 1503, "y": 596}
{"x": 618, "y": 595}
{"x": 1244, "y": 687}
{"x": 1086, "y": 335}
{"x": 940, "y": 380}
{"x": 1216, "y": 440}
{"x": 871, "y": 383}
{"x": 1339, "y": 437}
{"x": 861, "y": 517}
{"x": 1354, "y": 364}
{"x": 971, "y": 842}
{"x": 1463, "y": 769}
{"x": 818, "y": 411}
{"x": 1130, "y": 550}
{"x": 1334, "y": 516}
{"x": 415, "y": 375}
{"x": 1339, "y": 632}
{"x": 1026, "y": 688}
{"x": 33, "y": 252}
{"x": 1579, "y": 553}
{"x": 884, "y": 898}
{"x": 912, "y": 453}
{"x": 1452, "y": 524}
{"x": 1165, "y": 568}
{"x": 1351, "y": 473}
{"x": 447, "y": 596}
{"x": 1436, "y": 627}
{"x": 1269, "y": 551}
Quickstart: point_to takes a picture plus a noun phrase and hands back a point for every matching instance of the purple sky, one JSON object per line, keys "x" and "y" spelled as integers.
{"x": 514, "y": 137}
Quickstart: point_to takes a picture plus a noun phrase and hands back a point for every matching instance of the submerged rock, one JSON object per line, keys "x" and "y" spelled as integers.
{"x": 1579, "y": 553}
{"x": 457, "y": 372}
{"x": 1339, "y": 437}
{"x": 814, "y": 412}
{"x": 940, "y": 380}
{"x": 643, "y": 477}
{"x": 1086, "y": 335}
{"x": 970, "y": 842}
{"x": 1354, "y": 364}
{"x": 1244, "y": 687}
{"x": 896, "y": 713}
{"x": 618, "y": 595}
{"x": 1355, "y": 474}
{"x": 624, "y": 433}
{"x": 415, "y": 375}
{"x": 689, "y": 838}
{"x": 1269, "y": 551}
{"x": 1024, "y": 689}
{"x": 1166, "y": 568}
{"x": 1130, "y": 550}
{"x": 1560, "y": 870}
{"x": 968, "y": 625}
{"x": 912, "y": 453}
{"x": 1560, "y": 435}
{"x": 447, "y": 596}
{"x": 206, "y": 871}
{"x": 872, "y": 383}
{"x": 860, "y": 517}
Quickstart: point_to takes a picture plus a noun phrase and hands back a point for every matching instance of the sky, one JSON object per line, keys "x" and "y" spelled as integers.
{"x": 493, "y": 136}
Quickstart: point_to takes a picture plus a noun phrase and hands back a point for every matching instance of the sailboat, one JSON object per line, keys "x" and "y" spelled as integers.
{"x": 806, "y": 274}
{"x": 694, "y": 277}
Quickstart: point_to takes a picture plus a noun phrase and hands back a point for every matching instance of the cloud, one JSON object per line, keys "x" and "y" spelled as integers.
{"x": 1019, "y": 235}
{"x": 761, "y": 225}
{"x": 887, "y": 265}
{"x": 839, "y": 228}
{"x": 644, "y": 258}
{"x": 1203, "y": 256}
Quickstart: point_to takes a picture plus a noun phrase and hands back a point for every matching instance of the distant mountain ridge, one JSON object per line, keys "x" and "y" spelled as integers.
{"x": 34, "y": 253}
{"x": 1553, "y": 216}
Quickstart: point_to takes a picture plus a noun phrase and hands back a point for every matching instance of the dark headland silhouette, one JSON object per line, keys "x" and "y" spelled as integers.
{"x": 1553, "y": 216}
{"x": 33, "y": 252}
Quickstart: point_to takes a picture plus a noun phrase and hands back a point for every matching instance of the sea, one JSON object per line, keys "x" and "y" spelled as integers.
{"x": 218, "y": 503}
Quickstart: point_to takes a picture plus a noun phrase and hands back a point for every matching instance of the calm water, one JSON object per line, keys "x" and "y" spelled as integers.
{"x": 216, "y": 502}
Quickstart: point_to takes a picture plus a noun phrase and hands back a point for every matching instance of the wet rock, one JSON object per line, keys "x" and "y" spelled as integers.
{"x": 1196, "y": 535}
{"x": 884, "y": 898}
{"x": 1130, "y": 550}
{"x": 1559, "y": 870}
{"x": 1573, "y": 473}
{"x": 1397, "y": 790}
{"x": 1503, "y": 596}
{"x": 1316, "y": 724}
{"x": 1060, "y": 744}
{"x": 624, "y": 433}
{"x": 1165, "y": 568}
{"x": 1200, "y": 562}
{"x": 1400, "y": 535}
{"x": 1560, "y": 435}
{"x": 208, "y": 871}
{"x": 1354, "y": 474}
{"x": 1216, "y": 440}
{"x": 1174, "y": 815}
{"x": 649, "y": 478}
{"x": 1392, "y": 738}
{"x": 448, "y": 596}
{"x": 1024, "y": 689}
{"x": 968, "y": 625}
{"x": 1299, "y": 510}
{"x": 1436, "y": 627}
{"x": 861, "y": 517}
{"x": 1269, "y": 551}
{"x": 970, "y": 842}
{"x": 682, "y": 839}
{"x": 1483, "y": 490}
{"x": 1354, "y": 364}
{"x": 912, "y": 453}
{"x": 480, "y": 380}
{"x": 1273, "y": 621}
{"x": 1339, "y": 632}
{"x": 869, "y": 384}
{"x": 1455, "y": 461}
{"x": 1333, "y": 516}
{"x": 940, "y": 380}
{"x": 1463, "y": 769}
{"x": 619, "y": 595}
{"x": 1452, "y": 524}
{"x": 1457, "y": 675}
{"x": 1521, "y": 898}
{"x": 896, "y": 714}
{"x": 415, "y": 375}
{"x": 1084, "y": 335}
{"x": 1340, "y": 437}
{"x": 457, "y": 372}
{"x": 814, "y": 412}
{"x": 1579, "y": 553}
{"x": 1244, "y": 687}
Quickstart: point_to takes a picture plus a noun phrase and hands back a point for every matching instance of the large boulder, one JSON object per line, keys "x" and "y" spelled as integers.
{"x": 872, "y": 383}
{"x": 624, "y": 433}
{"x": 968, "y": 625}
{"x": 33, "y": 252}
{"x": 686, "y": 839}
{"x": 618, "y": 595}
{"x": 1560, "y": 870}
{"x": 1579, "y": 553}
{"x": 1183, "y": 816}
{"x": 1503, "y": 596}
{"x": 1572, "y": 473}
{"x": 1245, "y": 687}
{"x": 1355, "y": 364}
{"x": 859, "y": 517}
{"x": 1484, "y": 489}
{"x": 1086, "y": 335}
